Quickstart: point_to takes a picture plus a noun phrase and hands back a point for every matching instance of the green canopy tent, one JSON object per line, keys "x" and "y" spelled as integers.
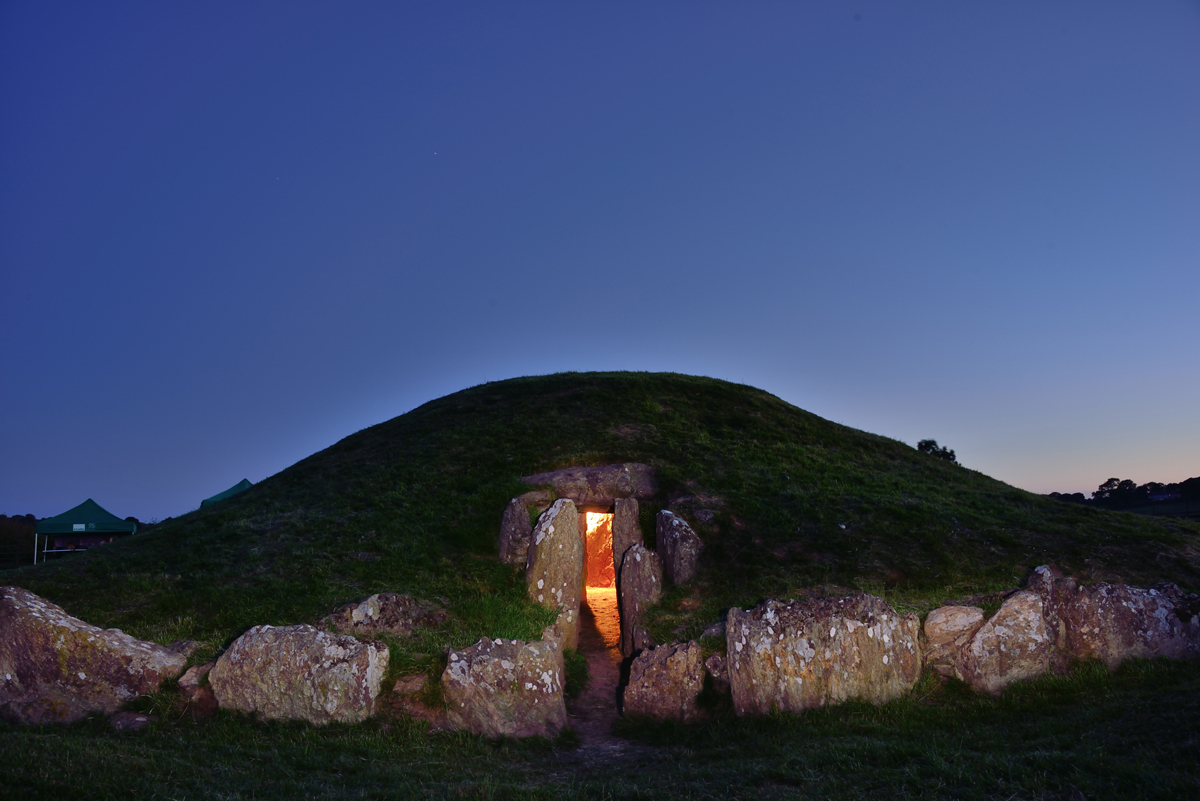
{"x": 86, "y": 526}
{"x": 241, "y": 486}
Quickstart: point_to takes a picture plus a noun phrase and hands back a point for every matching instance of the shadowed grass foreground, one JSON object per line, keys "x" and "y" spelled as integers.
{"x": 1132, "y": 734}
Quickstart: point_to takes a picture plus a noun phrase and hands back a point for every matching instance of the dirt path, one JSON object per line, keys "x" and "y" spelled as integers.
{"x": 593, "y": 713}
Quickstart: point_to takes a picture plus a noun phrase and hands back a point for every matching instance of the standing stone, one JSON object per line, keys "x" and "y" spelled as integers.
{"x": 56, "y": 668}
{"x": 583, "y": 540}
{"x": 640, "y": 587}
{"x": 506, "y": 688}
{"x": 385, "y": 613}
{"x": 1013, "y": 645}
{"x": 665, "y": 681}
{"x": 947, "y": 630}
{"x": 625, "y": 530}
{"x": 554, "y": 569}
{"x": 515, "y": 528}
{"x": 300, "y": 673}
{"x": 679, "y": 546}
{"x": 802, "y": 654}
{"x": 1114, "y": 622}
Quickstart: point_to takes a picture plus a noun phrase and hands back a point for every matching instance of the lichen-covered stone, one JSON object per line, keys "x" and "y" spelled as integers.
{"x": 795, "y": 655}
{"x": 1114, "y": 622}
{"x": 679, "y": 545}
{"x": 554, "y": 568}
{"x": 507, "y": 688}
{"x": 947, "y": 630}
{"x": 600, "y": 486}
{"x": 625, "y": 530}
{"x": 640, "y": 586}
{"x": 300, "y": 673}
{"x": 515, "y": 528}
{"x": 1013, "y": 645}
{"x": 385, "y": 613}
{"x": 56, "y": 668}
{"x": 664, "y": 683}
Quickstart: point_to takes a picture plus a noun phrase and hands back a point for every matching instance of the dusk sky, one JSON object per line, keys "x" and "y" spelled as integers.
{"x": 232, "y": 234}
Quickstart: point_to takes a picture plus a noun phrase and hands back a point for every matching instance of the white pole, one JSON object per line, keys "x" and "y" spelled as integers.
{"x": 35, "y": 546}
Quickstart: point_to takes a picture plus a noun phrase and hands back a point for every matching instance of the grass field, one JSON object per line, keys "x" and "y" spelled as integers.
{"x": 802, "y": 505}
{"x": 1128, "y": 735}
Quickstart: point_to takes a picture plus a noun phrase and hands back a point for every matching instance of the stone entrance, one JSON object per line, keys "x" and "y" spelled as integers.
{"x": 585, "y": 558}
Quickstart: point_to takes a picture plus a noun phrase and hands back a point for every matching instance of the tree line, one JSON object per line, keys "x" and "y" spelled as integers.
{"x": 1117, "y": 493}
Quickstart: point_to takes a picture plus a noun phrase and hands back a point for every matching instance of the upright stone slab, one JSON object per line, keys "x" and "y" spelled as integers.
{"x": 554, "y": 568}
{"x": 664, "y": 683}
{"x": 679, "y": 546}
{"x": 55, "y": 668}
{"x": 640, "y": 587}
{"x": 802, "y": 654}
{"x": 515, "y": 528}
{"x": 300, "y": 673}
{"x": 625, "y": 530}
{"x": 506, "y": 688}
{"x": 1014, "y": 645}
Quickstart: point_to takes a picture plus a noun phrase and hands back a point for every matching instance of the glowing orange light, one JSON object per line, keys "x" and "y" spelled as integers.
{"x": 598, "y": 539}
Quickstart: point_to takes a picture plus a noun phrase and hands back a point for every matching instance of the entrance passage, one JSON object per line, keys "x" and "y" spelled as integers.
{"x": 593, "y": 713}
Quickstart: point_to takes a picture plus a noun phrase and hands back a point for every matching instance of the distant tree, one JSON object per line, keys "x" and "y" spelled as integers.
{"x": 1069, "y": 497}
{"x": 1119, "y": 493}
{"x": 930, "y": 446}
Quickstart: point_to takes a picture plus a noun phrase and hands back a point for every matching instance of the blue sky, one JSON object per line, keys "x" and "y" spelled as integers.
{"x": 231, "y": 234}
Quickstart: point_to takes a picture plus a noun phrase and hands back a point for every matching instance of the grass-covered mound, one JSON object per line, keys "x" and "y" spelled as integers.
{"x": 414, "y": 505}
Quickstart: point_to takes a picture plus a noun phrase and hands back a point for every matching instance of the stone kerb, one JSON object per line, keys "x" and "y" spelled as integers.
{"x": 1055, "y": 620}
{"x": 1114, "y": 622}
{"x": 665, "y": 682}
{"x": 1012, "y": 646}
{"x": 385, "y": 613}
{"x": 554, "y": 568}
{"x": 57, "y": 668}
{"x": 506, "y": 688}
{"x": 803, "y": 654}
{"x": 300, "y": 673}
{"x": 947, "y": 630}
{"x": 679, "y": 546}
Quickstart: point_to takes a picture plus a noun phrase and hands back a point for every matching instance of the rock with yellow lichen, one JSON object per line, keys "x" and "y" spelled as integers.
{"x": 795, "y": 655}
{"x": 508, "y": 688}
{"x": 55, "y": 668}
{"x": 300, "y": 673}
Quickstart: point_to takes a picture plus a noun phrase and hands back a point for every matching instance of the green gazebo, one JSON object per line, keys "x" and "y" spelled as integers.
{"x": 241, "y": 486}
{"x": 86, "y": 526}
